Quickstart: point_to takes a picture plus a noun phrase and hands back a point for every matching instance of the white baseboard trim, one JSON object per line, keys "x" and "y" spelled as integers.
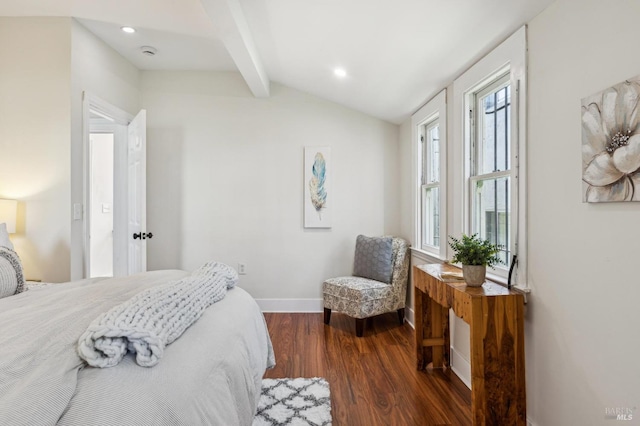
{"x": 461, "y": 367}
{"x": 410, "y": 316}
{"x": 290, "y": 305}
{"x": 310, "y": 306}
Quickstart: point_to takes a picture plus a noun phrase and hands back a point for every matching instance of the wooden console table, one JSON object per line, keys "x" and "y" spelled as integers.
{"x": 496, "y": 319}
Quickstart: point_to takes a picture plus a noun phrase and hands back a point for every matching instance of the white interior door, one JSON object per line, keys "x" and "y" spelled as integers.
{"x": 137, "y": 193}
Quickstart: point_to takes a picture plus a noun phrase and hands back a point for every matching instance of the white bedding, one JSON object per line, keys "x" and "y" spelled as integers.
{"x": 211, "y": 375}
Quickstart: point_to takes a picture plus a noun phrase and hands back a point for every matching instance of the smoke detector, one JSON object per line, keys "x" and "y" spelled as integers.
{"x": 148, "y": 50}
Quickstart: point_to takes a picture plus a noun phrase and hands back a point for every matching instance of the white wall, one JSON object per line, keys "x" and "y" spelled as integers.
{"x": 46, "y": 63}
{"x": 582, "y": 330}
{"x": 35, "y": 60}
{"x": 98, "y": 69}
{"x": 582, "y": 317}
{"x": 406, "y": 192}
{"x": 225, "y": 180}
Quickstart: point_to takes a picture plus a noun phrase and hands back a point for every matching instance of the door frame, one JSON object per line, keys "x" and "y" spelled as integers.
{"x": 119, "y": 120}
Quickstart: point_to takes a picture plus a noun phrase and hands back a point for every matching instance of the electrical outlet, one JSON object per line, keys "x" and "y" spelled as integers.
{"x": 242, "y": 269}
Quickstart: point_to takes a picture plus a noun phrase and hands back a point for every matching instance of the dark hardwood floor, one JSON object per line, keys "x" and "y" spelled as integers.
{"x": 373, "y": 379}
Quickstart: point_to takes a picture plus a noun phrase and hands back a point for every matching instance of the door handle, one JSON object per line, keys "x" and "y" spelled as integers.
{"x": 142, "y": 235}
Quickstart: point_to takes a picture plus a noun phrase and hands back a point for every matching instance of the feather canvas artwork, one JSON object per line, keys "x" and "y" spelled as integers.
{"x": 317, "y": 193}
{"x": 316, "y": 184}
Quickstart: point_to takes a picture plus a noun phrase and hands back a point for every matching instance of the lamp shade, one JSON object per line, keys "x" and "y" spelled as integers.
{"x": 8, "y": 213}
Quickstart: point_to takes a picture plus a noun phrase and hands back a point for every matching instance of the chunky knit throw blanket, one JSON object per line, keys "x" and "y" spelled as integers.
{"x": 154, "y": 318}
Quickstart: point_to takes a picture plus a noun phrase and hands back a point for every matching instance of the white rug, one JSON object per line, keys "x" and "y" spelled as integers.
{"x": 295, "y": 402}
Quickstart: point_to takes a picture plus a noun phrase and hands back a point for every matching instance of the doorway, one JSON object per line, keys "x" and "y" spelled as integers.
{"x": 105, "y": 150}
{"x": 115, "y": 190}
{"x": 101, "y": 148}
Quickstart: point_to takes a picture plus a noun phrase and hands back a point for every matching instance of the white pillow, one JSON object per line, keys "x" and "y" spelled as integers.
{"x": 11, "y": 276}
{"x": 8, "y": 278}
{"x": 4, "y": 237}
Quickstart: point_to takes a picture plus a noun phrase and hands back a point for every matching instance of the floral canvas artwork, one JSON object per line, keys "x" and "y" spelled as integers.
{"x": 317, "y": 193}
{"x": 611, "y": 144}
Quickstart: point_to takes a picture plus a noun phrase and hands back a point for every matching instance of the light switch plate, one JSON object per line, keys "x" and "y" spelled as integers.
{"x": 77, "y": 211}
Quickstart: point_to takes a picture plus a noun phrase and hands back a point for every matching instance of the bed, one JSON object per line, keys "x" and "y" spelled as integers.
{"x": 211, "y": 375}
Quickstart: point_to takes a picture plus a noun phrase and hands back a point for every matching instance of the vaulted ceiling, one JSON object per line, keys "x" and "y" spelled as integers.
{"x": 396, "y": 53}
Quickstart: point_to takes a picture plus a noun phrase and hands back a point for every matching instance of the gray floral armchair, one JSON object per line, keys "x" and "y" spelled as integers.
{"x": 361, "y": 297}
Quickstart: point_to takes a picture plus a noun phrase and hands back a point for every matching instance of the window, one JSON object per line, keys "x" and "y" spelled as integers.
{"x": 489, "y": 136}
{"x": 430, "y": 140}
{"x": 490, "y": 174}
{"x": 429, "y": 135}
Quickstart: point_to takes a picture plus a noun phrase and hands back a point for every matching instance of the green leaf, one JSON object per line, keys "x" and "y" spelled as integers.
{"x": 471, "y": 250}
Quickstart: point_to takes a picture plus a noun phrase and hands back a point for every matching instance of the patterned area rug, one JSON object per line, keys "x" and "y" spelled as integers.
{"x": 295, "y": 402}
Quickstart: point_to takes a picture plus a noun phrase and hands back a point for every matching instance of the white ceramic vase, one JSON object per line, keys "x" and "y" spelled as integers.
{"x": 474, "y": 275}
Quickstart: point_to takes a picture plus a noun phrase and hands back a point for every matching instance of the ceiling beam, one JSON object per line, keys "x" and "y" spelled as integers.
{"x": 229, "y": 19}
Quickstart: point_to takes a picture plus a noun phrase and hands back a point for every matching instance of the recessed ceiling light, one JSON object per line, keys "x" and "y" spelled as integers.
{"x": 129, "y": 30}
{"x": 339, "y": 72}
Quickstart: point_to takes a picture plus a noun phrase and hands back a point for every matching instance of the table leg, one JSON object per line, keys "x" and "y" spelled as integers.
{"x": 437, "y": 328}
{"x": 446, "y": 361}
{"x": 497, "y": 362}
{"x": 419, "y": 324}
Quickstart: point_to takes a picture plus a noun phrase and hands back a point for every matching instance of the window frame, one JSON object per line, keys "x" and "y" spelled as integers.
{"x": 434, "y": 111}
{"x": 427, "y": 185}
{"x": 494, "y": 85}
{"x": 509, "y": 57}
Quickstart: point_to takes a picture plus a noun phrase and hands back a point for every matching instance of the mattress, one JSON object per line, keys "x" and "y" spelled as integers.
{"x": 211, "y": 375}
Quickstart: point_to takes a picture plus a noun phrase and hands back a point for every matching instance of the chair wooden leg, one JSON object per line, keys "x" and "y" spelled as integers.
{"x": 360, "y": 327}
{"x": 327, "y": 315}
{"x": 401, "y": 315}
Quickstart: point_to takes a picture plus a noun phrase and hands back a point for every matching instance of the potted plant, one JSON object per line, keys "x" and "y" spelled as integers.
{"x": 475, "y": 254}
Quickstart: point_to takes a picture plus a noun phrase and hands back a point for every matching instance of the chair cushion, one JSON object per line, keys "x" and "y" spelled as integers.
{"x": 358, "y": 297}
{"x": 373, "y": 258}
{"x": 357, "y": 289}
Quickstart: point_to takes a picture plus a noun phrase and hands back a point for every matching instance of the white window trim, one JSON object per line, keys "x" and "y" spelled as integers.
{"x": 497, "y": 81}
{"x": 436, "y": 108}
{"x": 511, "y": 55}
